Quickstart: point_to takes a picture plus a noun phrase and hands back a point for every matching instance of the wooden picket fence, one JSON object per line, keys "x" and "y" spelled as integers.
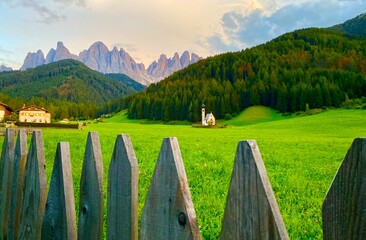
{"x": 27, "y": 212}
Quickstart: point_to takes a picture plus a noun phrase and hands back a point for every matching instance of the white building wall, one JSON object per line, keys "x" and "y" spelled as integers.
{"x": 34, "y": 116}
{"x": 2, "y": 114}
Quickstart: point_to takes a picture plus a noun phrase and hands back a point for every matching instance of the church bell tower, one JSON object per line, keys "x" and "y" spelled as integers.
{"x": 203, "y": 114}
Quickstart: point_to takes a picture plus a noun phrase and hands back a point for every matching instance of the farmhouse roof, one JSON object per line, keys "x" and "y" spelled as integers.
{"x": 32, "y": 108}
{"x": 6, "y": 107}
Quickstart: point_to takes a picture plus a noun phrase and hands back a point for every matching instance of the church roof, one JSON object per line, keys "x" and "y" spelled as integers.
{"x": 208, "y": 116}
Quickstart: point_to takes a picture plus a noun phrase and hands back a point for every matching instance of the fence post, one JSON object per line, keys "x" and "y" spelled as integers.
{"x": 34, "y": 190}
{"x": 91, "y": 191}
{"x": 122, "y": 214}
{"x": 6, "y": 170}
{"x": 251, "y": 209}
{"x": 59, "y": 221}
{"x": 168, "y": 212}
{"x": 20, "y": 159}
{"x": 344, "y": 207}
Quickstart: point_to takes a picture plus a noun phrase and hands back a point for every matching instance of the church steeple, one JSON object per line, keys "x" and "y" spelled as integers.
{"x": 203, "y": 107}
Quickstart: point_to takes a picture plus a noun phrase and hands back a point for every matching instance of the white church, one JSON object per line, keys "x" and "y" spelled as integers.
{"x": 207, "y": 119}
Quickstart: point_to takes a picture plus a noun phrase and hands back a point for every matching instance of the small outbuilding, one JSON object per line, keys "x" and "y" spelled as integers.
{"x": 5, "y": 111}
{"x": 34, "y": 114}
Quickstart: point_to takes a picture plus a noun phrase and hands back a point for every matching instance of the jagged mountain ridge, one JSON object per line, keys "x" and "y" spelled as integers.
{"x": 98, "y": 57}
{"x": 165, "y": 67}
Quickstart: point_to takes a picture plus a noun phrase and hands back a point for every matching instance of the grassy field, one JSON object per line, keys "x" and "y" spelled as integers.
{"x": 301, "y": 156}
{"x": 254, "y": 115}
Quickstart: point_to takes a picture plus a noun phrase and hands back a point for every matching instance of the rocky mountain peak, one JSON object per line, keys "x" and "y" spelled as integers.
{"x": 33, "y": 60}
{"x": 61, "y": 53}
{"x": 4, "y": 68}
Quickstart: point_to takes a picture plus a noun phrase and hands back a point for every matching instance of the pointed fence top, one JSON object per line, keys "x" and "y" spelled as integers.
{"x": 344, "y": 206}
{"x": 251, "y": 209}
{"x": 168, "y": 212}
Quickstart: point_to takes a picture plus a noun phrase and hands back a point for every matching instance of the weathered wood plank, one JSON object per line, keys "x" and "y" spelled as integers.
{"x": 168, "y": 212}
{"x": 344, "y": 208}
{"x": 34, "y": 190}
{"x": 122, "y": 215}
{"x": 20, "y": 159}
{"x": 6, "y": 171}
{"x": 251, "y": 209}
{"x": 59, "y": 220}
{"x": 91, "y": 191}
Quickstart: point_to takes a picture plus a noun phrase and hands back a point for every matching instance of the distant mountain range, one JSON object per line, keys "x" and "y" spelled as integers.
{"x": 98, "y": 57}
{"x": 4, "y": 68}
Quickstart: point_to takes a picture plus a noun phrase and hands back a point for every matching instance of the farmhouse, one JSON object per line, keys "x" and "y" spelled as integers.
{"x": 5, "y": 111}
{"x": 34, "y": 114}
{"x": 209, "y": 119}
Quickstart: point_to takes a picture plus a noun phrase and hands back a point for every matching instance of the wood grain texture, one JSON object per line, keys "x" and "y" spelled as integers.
{"x": 251, "y": 209}
{"x": 6, "y": 171}
{"x": 59, "y": 220}
{"x": 91, "y": 191}
{"x": 168, "y": 212}
{"x": 34, "y": 190}
{"x": 122, "y": 215}
{"x": 20, "y": 159}
{"x": 344, "y": 208}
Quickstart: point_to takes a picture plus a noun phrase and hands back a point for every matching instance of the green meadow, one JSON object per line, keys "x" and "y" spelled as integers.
{"x": 301, "y": 155}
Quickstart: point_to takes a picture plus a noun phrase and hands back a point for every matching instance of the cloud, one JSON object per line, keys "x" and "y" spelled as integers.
{"x": 246, "y": 30}
{"x": 48, "y": 11}
{"x": 5, "y": 52}
{"x": 47, "y": 15}
{"x": 81, "y": 3}
{"x": 6, "y": 57}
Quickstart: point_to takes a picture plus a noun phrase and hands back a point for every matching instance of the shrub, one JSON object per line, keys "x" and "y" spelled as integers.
{"x": 228, "y": 116}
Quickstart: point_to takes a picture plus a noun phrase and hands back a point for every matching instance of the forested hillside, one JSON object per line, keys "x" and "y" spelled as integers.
{"x": 317, "y": 67}
{"x": 67, "y": 89}
{"x": 126, "y": 80}
{"x": 355, "y": 26}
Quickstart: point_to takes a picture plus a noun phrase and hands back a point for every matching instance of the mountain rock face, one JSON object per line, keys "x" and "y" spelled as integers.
{"x": 4, "y": 68}
{"x": 165, "y": 67}
{"x": 61, "y": 53}
{"x": 99, "y": 58}
{"x": 33, "y": 60}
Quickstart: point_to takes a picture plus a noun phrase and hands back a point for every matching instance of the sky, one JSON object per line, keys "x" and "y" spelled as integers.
{"x": 148, "y": 28}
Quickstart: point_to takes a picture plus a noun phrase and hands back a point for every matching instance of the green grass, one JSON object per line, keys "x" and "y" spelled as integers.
{"x": 301, "y": 156}
{"x": 255, "y": 114}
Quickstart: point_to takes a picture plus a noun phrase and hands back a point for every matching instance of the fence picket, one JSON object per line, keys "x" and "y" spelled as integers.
{"x": 59, "y": 220}
{"x": 20, "y": 159}
{"x": 251, "y": 209}
{"x": 169, "y": 212}
{"x": 344, "y": 215}
{"x": 91, "y": 191}
{"x": 122, "y": 214}
{"x": 6, "y": 170}
{"x": 34, "y": 190}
